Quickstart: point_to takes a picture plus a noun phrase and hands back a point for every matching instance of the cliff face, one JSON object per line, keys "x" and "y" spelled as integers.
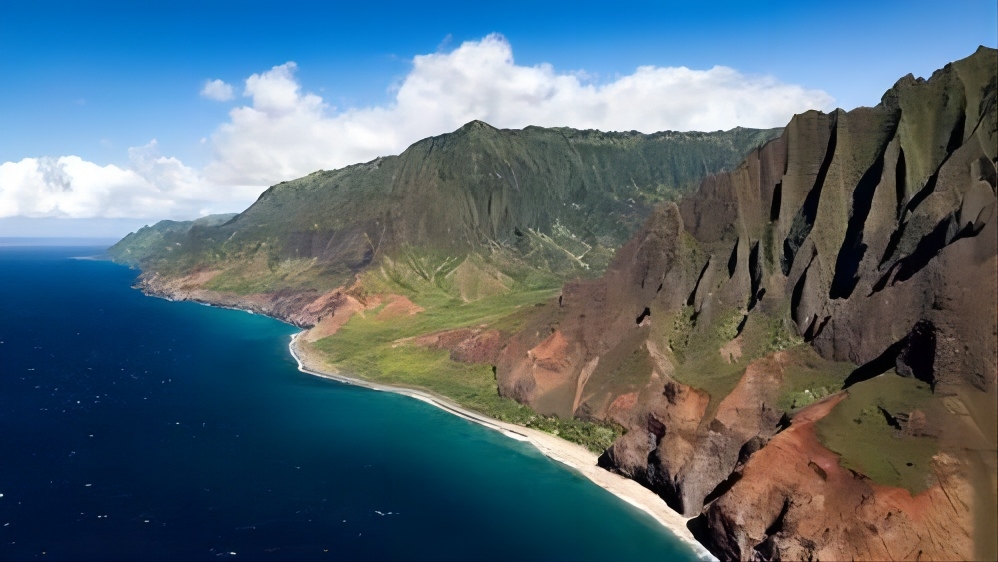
{"x": 865, "y": 238}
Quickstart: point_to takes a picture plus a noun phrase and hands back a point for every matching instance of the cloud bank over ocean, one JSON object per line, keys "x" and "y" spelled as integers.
{"x": 281, "y": 132}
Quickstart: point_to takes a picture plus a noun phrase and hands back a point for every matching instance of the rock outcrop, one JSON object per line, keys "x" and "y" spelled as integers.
{"x": 872, "y": 236}
{"x": 792, "y": 500}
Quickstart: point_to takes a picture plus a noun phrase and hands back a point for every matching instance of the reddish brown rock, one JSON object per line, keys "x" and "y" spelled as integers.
{"x": 481, "y": 348}
{"x": 398, "y": 305}
{"x": 562, "y": 354}
{"x": 874, "y": 234}
{"x": 793, "y": 501}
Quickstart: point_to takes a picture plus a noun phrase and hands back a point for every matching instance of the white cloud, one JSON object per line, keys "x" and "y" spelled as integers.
{"x": 217, "y": 90}
{"x": 151, "y": 186}
{"x": 284, "y": 132}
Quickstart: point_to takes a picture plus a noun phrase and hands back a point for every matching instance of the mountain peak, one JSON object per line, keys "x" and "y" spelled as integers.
{"x": 476, "y": 125}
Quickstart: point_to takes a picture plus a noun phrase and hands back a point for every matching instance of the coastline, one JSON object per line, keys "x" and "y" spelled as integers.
{"x": 576, "y": 457}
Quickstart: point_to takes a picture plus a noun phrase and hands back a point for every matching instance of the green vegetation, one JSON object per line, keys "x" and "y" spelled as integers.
{"x": 159, "y": 238}
{"x": 727, "y": 329}
{"x": 427, "y": 272}
{"x": 809, "y": 378}
{"x": 779, "y": 334}
{"x": 701, "y": 363}
{"x": 376, "y": 350}
{"x": 257, "y": 276}
{"x": 499, "y": 291}
{"x": 561, "y": 199}
{"x": 696, "y": 349}
{"x": 859, "y": 430}
{"x": 595, "y": 436}
{"x": 476, "y": 227}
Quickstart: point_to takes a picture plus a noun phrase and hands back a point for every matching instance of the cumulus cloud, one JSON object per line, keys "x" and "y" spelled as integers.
{"x": 150, "y": 186}
{"x": 217, "y": 90}
{"x": 283, "y": 132}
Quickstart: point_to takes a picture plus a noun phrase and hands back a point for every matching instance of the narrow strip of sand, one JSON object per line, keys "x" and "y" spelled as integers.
{"x": 574, "y": 456}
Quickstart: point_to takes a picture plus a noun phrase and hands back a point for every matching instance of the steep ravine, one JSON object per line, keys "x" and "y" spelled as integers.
{"x": 871, "y": 235}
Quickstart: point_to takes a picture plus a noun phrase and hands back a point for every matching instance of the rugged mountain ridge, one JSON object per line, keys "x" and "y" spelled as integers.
{"x": 576, "y": 194}
{"x": 870, "y": 235}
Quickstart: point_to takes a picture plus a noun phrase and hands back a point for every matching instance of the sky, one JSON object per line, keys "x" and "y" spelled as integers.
{"x": 117, "y": 114}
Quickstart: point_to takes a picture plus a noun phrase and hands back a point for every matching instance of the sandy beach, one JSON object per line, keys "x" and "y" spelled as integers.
{"x": 574, "y": 456}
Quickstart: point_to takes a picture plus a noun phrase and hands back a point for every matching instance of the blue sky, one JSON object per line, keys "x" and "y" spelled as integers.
{"x": 96, "y": 79}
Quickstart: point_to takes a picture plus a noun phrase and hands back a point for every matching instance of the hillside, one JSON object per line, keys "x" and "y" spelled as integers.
{"x": 808, "y": 332}
{"x": 567, "y": 198}
{"x": 157, "y": 238}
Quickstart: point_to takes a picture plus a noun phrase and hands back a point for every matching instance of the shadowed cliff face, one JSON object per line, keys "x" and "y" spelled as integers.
{"x": 481, "y": 184}
{"x": 858, "y": 251}
{"x": 879, "y": 219}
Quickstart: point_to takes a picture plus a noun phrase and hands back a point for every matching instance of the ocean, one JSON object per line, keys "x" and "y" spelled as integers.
{"x": 136, "y": 428}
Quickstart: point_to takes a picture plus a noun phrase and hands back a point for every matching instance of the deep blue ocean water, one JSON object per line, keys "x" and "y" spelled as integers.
{"x": 136, "y": 428}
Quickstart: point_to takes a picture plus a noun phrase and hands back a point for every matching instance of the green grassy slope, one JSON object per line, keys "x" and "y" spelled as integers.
{"x": 559, "y": 195}
{"x": 155, "y": 239}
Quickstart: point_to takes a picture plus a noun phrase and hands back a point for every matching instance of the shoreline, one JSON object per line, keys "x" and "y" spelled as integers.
{"x": 574, "y": 456}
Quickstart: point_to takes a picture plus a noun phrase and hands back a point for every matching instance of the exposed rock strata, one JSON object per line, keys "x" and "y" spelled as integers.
{"x": 873, "y": 233}
{"x": 804, "y": 509}
{"x": 324, "y": 313}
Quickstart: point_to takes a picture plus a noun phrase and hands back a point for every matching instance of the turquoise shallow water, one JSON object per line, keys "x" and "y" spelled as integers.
{"x": 136, "y": 428}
